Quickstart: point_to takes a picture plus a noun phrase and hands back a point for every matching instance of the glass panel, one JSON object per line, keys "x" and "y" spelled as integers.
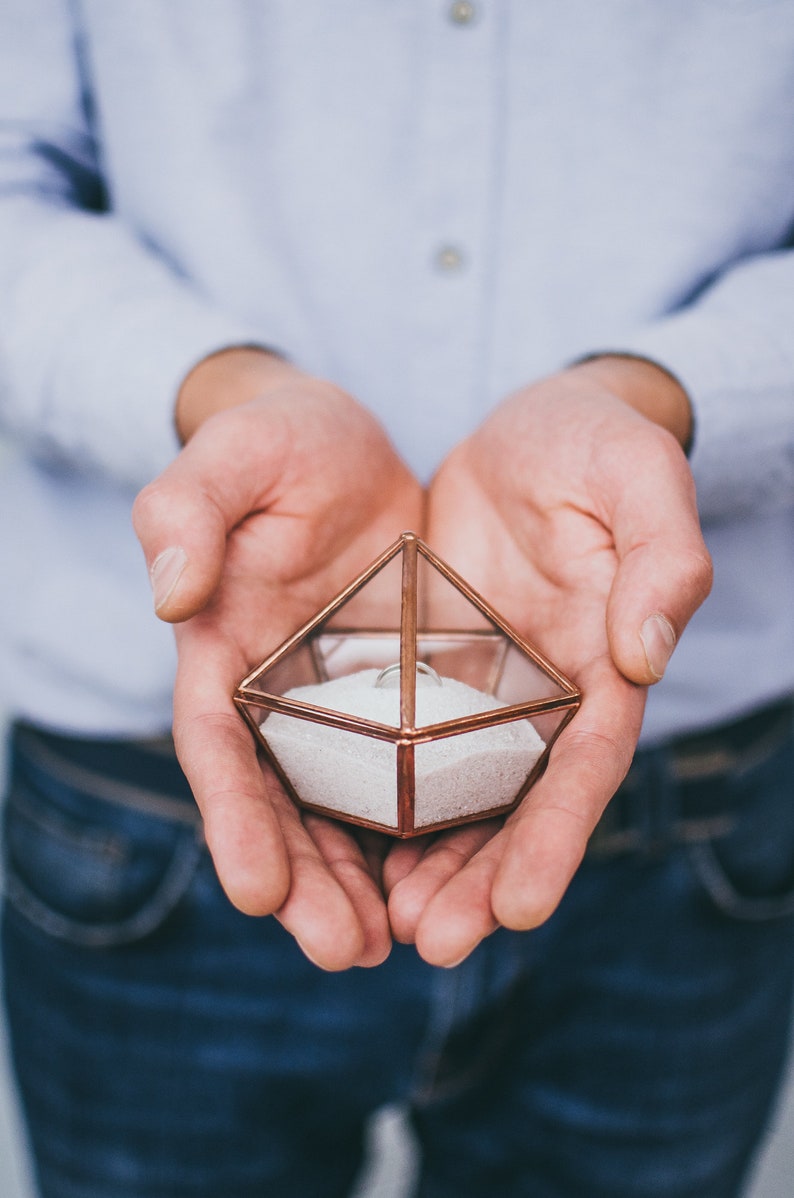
{"x": 376, "y": 605}
{"x": 474, "y": 658}
{"x": 444, "y": 699}
{"x": 343, "y": 772}
{"x": 441, "y": 606}
{"x": 356, "y": 695}
{"x": 473, "y": 772}
{"x": 298, "y": 668}
{"x": 343, "y": 654}
{"x": 548, "y": 724}
{"x": 522, "y": 680}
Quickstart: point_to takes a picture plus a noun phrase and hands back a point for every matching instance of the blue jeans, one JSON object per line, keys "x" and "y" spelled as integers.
{"x": 167, "y": 1046}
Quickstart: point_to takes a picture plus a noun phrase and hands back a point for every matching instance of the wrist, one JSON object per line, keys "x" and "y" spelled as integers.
{"x": 648, "y": 388}
{"x": 224, "y": 380}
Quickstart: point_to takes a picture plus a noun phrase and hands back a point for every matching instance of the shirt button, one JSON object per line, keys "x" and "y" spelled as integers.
{"x": 449, "y": 259}
{"x": 462, "y": 12}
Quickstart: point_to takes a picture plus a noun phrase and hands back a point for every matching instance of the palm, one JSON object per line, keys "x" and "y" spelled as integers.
{"x": 540, "y": 511}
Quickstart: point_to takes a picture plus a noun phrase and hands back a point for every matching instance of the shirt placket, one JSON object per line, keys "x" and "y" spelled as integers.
{"x": 457, "y": 138}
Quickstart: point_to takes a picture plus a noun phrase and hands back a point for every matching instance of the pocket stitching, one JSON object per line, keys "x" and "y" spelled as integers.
{"x": 160, "y": 903}
{"x": 724, "y": 895}
{"x": 55, "y": 824}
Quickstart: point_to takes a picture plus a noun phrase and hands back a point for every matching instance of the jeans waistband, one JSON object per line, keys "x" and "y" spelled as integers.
{"x": 141, "y": 774}
{"x": 639, "y": 814}
{"x": 145, "y": 774}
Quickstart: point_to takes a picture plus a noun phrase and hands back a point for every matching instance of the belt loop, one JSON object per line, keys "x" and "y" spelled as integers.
{"x": 653, "y": 803}
{"x": 675, "y": 793}
{"x": 666, "y": 802}
{"x": 646, "y": 808}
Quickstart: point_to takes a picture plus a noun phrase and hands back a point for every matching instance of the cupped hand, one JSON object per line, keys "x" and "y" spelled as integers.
{"x": 285, "y": 490}
{"x": 575, "y": 516}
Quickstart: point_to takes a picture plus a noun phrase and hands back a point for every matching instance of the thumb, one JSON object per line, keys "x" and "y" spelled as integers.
{"x": 656, "y": 590}
{"x": 183, "y": 535}
{"x": 228, "y": 469}
{"x": 664, "y": 569}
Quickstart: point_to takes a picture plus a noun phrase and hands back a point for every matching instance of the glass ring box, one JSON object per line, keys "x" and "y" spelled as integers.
{"x": 408, "y": 704}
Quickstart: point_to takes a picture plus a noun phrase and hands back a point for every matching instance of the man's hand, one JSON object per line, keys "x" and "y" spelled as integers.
{"x": 285, "y": 490}
{"x": 574, "y": 515}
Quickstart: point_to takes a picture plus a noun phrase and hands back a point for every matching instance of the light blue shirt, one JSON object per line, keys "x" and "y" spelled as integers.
{"x": 430, "y": 204}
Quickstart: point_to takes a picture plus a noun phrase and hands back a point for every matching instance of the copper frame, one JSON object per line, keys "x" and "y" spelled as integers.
{"x": 253, "y": 698}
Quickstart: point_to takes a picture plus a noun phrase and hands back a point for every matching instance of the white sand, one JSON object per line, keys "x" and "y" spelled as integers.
{"x": 357, "y": 775}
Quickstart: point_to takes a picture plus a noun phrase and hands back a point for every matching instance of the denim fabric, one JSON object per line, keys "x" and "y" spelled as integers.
{"x": 167, "y": 1046}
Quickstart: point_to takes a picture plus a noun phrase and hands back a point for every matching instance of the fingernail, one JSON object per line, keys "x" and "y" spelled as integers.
{"x": 165, "y": 573}
{"x": 658, "y": 641}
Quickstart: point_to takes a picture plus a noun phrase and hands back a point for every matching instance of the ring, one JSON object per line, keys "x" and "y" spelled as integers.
{"x": 393, "y": 670}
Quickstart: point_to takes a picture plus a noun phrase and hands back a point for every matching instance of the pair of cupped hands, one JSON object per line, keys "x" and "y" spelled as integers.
{"x": 571, "y": 509}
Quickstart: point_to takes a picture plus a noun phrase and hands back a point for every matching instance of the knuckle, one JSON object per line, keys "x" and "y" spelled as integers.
{"x": 696, "y": 574}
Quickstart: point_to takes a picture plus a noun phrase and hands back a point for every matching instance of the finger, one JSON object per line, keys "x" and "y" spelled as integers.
{"x": 547, "y": 836}
{"x": 182, "y": 519}
{"x": 235, "y": 797}
{"x": 335, "y": 909}
{"x": 265, "y": 859}
{"x": 402, "y": 858}
{"x": 460, "y": 914}
{"x": 417, "y": 875}
{"x": 374, "y": 847}
{"x": 656, "y": 590}
{"x": 519, "y": 876}
{"x": 183, "y": 535}
{"x": 317, "y": 911}
{"x": 664, "y": 570}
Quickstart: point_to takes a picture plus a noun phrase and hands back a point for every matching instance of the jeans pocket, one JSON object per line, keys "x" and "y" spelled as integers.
{"x": 89, "y": 872}
{"x": 748, "y": 874}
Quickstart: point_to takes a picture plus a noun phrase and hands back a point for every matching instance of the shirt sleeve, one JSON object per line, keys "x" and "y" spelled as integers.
{"x": 732, "y": 349}
{"x": 97, "y": 330}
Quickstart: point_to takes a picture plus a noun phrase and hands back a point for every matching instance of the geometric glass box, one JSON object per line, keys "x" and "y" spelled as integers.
{"x": 408, "y": 704}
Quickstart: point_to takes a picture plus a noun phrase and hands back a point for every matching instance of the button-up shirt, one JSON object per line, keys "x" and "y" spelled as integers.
{"x": 431, "y": 203}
